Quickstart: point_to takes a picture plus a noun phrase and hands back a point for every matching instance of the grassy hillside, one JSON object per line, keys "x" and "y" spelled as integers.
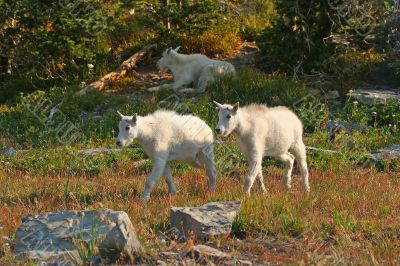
{"x": 351, "y": 213}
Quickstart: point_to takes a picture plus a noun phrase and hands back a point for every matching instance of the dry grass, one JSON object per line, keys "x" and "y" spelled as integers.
{"x": 281, "y": 226}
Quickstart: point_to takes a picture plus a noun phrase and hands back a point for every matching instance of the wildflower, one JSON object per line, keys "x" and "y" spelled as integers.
{"x": 355, "y": 102}
{"x": 1, "y": 227}
{"x": 26, "y": 177}
{"x": 90, "y": 66}
{"x": 5, "y": 238}
{"x": 373, "y": 113}
{"x": 100, "y": 205}
{"x": 389, "y": 125}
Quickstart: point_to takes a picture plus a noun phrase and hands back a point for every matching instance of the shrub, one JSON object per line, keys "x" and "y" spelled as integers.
{"x": 255, "y": 17}
{"x": 349, "y": 67}
{"x": 252, "y": 86}
{"x": 51, "y": 42}
{"x": 305, "y": 36}
{"x": 205, "y": 26}
{"x": 296, "y": 36}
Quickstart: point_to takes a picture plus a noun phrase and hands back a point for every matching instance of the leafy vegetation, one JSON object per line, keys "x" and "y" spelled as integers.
{"x": 335, "y": 42}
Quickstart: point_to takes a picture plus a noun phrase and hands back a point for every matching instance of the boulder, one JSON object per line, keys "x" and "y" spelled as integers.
{"x": 389, "y": 153}
{"x": 11, "y": 152}
{"x": 375, "y": 95}
{"x": 211, "y": 219}
{"x": 61, "y": 237}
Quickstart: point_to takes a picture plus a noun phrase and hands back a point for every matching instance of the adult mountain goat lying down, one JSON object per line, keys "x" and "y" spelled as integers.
{"x": 196, "y": 69}
{"x": 263, "y": 131}
{"x": 166, "y": 136}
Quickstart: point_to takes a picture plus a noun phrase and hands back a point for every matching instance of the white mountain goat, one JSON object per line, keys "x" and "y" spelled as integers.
{"x": 196, "y": 69}
{"x": 263, "y": 131}
{"x": 166, "y": 136}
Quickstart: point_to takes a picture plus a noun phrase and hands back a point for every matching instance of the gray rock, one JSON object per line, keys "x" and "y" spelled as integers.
{"x": 211, "y": 219}
{"x": 333, "y": 126}
{"x": 11, "y": 152}
{"x": 389, "y": 153}
{"x": 371, "y": 95}
{"x": 206, "y": 254}
{"x": 56, "y": 238}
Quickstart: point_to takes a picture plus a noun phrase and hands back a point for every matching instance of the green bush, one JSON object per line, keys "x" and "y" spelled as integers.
{"x": 255, "y": 17}
{"x": 296, "y": 36}
{"x": 49, "y": 43}
{"x": 205, "y": 26}
{"x": 307, "y": 37}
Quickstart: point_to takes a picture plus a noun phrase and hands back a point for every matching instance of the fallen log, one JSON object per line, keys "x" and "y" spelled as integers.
{"x": 314, "y": 150}
{"x": 120, "y": 72}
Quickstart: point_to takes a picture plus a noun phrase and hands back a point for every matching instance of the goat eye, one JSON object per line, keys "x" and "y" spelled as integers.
{"x": 228, "y": 116}
{"x": 127, "y": 128}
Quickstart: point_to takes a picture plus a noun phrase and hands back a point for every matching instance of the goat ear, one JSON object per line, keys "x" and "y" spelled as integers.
{"x": 177, "y": 49}
{"x": 134, "y": 118}
{"x": 218, "y": 105}
{"x": 121, "y": 115}
{"x": 169, "y": 50}
{"x": 235, "y": 107}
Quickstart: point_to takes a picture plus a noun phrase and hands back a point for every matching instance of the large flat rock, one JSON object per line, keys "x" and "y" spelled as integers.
{"x": 211, "y": 219}
{"x": 58, "y": 238}
{"x": 370, "y": 96}
{"x": 389, "y": 153}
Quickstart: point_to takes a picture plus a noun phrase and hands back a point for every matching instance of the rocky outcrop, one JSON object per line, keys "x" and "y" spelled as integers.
{"x": 73, "y": 237}
{"x": 211, "y": 219}
{"x": 389, "y": 153}
{"x": 370, "y": 96}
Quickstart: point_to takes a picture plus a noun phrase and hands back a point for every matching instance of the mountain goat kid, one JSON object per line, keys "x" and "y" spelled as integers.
{"x": 196, "y": 69}
{"x": 166, "y": 136}
{"x": 263, "y": 131}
